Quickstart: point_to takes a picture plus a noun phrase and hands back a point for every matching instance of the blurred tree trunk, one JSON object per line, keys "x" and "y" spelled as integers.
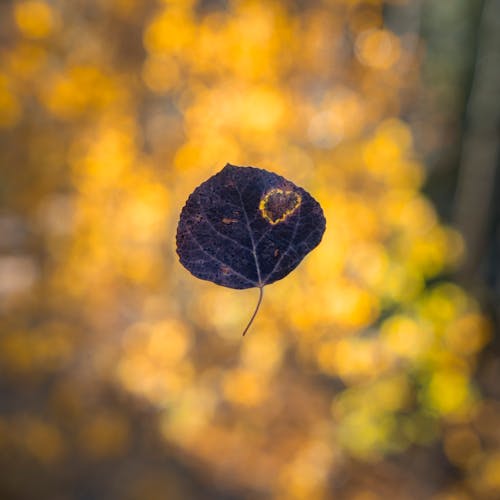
{"x": 474, "y": 199}
{"x": 449, "y": 32}
{"x": 457, "y": 125}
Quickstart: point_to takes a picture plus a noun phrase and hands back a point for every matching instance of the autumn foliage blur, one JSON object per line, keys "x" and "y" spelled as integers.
{"x": 121, "y": 375}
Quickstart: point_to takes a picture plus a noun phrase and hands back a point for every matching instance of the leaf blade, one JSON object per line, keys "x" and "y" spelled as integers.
{"x": 246, "y": 227}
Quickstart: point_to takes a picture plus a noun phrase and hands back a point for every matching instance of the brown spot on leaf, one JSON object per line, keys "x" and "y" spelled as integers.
{"x": 225, "y": 270}
{"x": 277, "y": 205}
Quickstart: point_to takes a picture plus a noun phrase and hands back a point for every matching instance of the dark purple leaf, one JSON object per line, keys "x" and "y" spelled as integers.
{"x": 246, "y": 227}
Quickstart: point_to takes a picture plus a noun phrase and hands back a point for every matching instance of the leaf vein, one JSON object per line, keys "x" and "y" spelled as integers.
{"x": 289, "y": 243}
{"x": 250, "y": 233}
{"x": 221, "y": 234}
{"x": 213, "y": 257}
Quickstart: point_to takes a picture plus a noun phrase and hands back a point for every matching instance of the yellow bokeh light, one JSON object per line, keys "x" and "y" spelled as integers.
{"x": 362, "y": 433}
{"x": 304, "y": 477}
{"x": 379, "y": 49}
{"x": 450, "y": 394}
{"x": 468, "y": 334}
{"x": 391, "y": 393}
{"x": 144, "y": 217}
{"x": 358, "y": 359}
{"x": 402, "y": 284}
{"x": 350, "y": 305}
{"x": 190, "y": 416}
{"x": 34, "y": 19}
{"x": 79, "y": 90}
{"x": 160, "y": 74}
{"x": 444, "y": 304}
{"x": 168, "y": 341}
{"x": 170, "y": 31}
{"x": 262, "y": 354}
{"x": 405, "y": 337}
{"x": 244, "y": 387}
{"x": 153, "y": 364}
{"x": 368, "y": 262}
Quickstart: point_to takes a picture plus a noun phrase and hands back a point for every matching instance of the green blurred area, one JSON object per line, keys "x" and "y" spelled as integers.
{"x": 371, "y": 372}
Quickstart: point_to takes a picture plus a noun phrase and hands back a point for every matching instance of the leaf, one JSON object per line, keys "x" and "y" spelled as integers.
{"x": 246, "y": 227}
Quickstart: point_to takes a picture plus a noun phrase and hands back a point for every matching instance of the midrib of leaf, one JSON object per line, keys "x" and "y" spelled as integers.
{"x": 249, "y": 229}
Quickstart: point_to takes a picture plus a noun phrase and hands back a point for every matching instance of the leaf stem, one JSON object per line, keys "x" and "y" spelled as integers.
{"x": 261, "y": 294}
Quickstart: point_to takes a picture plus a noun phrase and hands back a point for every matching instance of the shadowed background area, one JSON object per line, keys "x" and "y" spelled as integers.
{"x": 371, "y": 372}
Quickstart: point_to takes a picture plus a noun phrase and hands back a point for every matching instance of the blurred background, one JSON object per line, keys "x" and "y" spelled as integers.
{"x": 372, "y": 371}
